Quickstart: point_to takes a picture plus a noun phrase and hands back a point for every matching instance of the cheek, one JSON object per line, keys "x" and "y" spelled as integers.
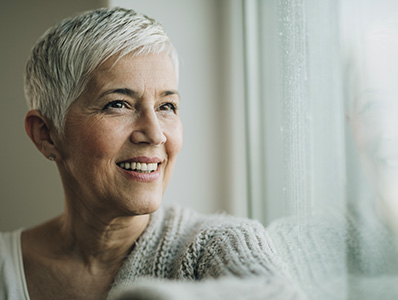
{"x": 175, "y": 139}
{"x": 173, "y": 146}
{"x": 96, "y": 139}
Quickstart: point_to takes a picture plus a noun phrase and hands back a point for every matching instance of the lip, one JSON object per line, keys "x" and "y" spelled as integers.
{"x": 142, "y": 177}
{"x": 143, "y": 159}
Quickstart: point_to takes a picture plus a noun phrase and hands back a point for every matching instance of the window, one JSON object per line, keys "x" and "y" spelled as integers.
{"x": 323, "y": 140}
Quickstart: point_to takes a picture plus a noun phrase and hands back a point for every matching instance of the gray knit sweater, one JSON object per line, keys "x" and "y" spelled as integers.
{"x": 186, "y": 255}
{"x": 339, "y": 254}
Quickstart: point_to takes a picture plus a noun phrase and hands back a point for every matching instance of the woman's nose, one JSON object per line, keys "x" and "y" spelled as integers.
{"x": 147, "y": 129}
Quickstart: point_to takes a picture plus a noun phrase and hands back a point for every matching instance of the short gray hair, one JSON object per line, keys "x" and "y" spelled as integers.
{"x": 62, "y": 60}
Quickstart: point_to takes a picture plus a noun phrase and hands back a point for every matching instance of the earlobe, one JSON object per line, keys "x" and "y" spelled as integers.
{"x": 38, "y": 129}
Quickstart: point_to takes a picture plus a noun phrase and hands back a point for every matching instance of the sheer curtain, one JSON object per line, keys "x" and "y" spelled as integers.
{"x": 322, "y": 133}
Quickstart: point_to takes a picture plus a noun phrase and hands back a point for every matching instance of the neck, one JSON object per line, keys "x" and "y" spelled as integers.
{"x": 101, "y": 242}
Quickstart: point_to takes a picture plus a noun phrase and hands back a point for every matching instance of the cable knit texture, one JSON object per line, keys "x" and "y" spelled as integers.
{"x": 181, "y": 253}
{"x": 339, "y": 255}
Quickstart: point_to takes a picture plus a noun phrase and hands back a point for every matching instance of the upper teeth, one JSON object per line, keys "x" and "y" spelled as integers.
{"x": 139, "y": 167}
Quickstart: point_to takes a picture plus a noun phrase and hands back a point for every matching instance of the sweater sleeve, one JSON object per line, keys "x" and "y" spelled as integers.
{"x": 239, "y": 250}
{"x": 256, "y": 288}
{"x": 227, "y": 261}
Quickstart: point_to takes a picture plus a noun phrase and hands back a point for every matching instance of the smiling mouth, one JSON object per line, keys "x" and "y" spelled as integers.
{"x": 139, "y": 167}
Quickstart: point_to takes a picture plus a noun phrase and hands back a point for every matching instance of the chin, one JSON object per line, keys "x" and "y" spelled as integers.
{"x": 144, "y": 207}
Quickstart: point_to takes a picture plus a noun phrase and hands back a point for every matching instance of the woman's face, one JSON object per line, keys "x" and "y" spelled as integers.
{"x": 375, "y": 120}
{"x": 122, "y": 136}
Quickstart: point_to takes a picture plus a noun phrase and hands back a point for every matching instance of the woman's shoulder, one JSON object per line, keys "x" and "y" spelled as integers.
{"x": 194, "y": 223}
{"x": 220, "y": 244}
{"x": 217, "y": 220}
{"x": 221, "y": 233}
{"x": 181, "y": 229}
{"x": 182, "y": 243}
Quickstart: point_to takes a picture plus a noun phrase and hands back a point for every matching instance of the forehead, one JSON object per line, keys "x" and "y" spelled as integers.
{"x": 381, "y": 61}
{"x": 145, "y": 71}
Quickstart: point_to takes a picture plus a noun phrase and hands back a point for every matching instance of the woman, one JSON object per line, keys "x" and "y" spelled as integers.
{"x": 373, "y": 112}
{"x": 103, "y": 98}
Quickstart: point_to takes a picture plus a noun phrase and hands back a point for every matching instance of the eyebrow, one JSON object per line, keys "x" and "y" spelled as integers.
{"x": 170, "y": 92}
{"x": 124, "y": 91}
{"x": 135, "y": 94}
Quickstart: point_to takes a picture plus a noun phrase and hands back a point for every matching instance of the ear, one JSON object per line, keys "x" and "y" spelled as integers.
{"x": 40, "y": 131}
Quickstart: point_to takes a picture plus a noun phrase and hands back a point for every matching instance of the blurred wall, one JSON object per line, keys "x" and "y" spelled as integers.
{"x": 210, "y": 173}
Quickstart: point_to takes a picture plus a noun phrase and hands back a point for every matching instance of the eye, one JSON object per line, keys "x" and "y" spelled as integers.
{"x": 117, "y": 104}
{"x": 169, "y": 106}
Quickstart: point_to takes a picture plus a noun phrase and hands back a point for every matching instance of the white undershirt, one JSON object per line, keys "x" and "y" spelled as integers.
{"x": 12, "y": 276}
